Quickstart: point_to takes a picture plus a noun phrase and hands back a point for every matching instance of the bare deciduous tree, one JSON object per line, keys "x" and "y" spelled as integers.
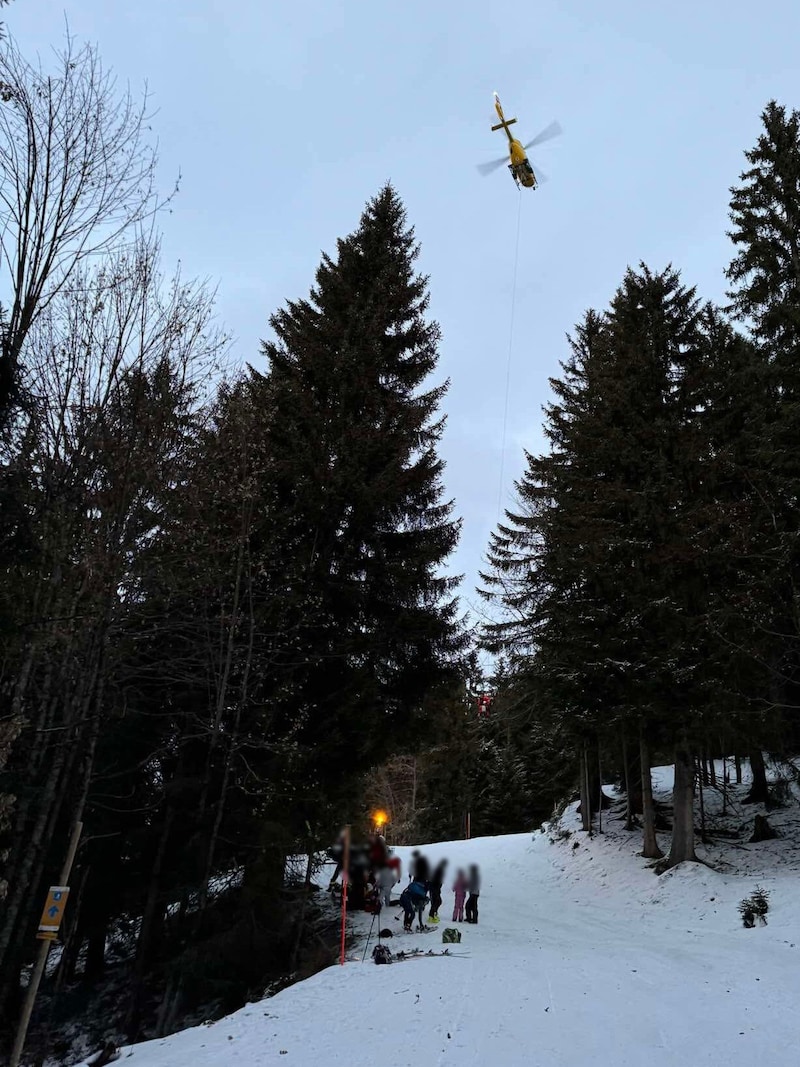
{"x": 116, "y": 366}
{"x": 76, "y": 174}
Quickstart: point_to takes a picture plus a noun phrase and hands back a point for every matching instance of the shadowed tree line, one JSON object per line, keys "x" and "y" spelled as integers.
{"x": 222, "y": 594}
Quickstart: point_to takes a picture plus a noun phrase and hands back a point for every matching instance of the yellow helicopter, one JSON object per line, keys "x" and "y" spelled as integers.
{"x": 521, "y": 170}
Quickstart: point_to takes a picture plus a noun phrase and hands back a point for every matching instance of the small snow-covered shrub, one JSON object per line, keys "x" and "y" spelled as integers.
{"x": 553, "y": 827}
{"x": 754, "y": 908}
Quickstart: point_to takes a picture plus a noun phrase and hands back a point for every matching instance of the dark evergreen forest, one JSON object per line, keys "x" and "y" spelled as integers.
{"x": 227, "y": 625}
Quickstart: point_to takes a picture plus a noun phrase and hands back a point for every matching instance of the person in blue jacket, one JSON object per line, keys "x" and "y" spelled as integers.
{"x": 414, "y": 900}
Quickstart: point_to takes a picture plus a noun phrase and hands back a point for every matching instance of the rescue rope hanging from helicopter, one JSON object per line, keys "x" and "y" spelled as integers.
{"x": 524, "y": 176}
{"x": 508, "y": 360}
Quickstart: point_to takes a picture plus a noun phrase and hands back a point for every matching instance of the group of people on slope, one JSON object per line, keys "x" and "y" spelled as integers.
{"x": 372, "y": 872}
{"x": 425, "y": 887}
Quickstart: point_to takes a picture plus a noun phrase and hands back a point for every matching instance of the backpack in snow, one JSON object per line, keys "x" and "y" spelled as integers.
{"x": 451, "y": 936}
{"x": 381, "y": 954}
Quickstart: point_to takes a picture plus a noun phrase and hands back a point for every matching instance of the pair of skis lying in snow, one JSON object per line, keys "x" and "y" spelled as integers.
{"x": 417, "y": 953}
{"x": 413, "y": 954}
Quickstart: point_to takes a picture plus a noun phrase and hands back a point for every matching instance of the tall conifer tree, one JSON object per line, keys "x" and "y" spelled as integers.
{"x": 603, "y": 567}
{"x": 356, "y": 480}
{"x": 765, "y": 290}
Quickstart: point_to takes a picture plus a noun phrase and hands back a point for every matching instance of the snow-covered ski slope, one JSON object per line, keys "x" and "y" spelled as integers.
{"x": 582, "y": 958}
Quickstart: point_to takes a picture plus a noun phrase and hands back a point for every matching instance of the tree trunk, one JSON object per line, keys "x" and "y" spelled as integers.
{"x": 629, "y": 820}
{"x": 590, "y": 774}
{"x": 682, "y": 847}
{"x": 303, "y": 908}
{"x": 414, "y": 791}
{"x": 585, "y": 808}
{"x": 96, "y": 950}
{"x": 25, "y": 873}
{"x": 759, "y": 790}
{"x": 592, "y": 781}
{"x": 73, "y": 939}
{"x": 737, "y": 760}
{"x": 229, "y": 751}
{"x": 702, "y": 811}
{"x": 170, "y": 1005}
{"x": 146, "y": 930}
{"x": 600, "y": 793}
{"x": 650, "y": 849}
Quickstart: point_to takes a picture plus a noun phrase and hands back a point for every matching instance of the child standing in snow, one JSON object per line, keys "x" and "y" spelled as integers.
{"x": 474, "y": 887}
{"x": 435, "y": 888}
{"x": 460, "y": 890}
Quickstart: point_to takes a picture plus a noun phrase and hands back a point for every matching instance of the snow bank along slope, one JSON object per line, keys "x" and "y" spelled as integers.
{"x": 582, "y": 957}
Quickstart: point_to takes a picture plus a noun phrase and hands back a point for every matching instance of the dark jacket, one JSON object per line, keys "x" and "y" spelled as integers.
{"x": 437, "y": 878}
{"x": 422, "y": 870}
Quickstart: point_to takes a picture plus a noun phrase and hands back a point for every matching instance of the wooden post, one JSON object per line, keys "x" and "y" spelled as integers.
{"x": 345, "y": 880}
{"x": 468, "y": 827}
{"x": 588, "y": 794}
{"x": 41, "y": 960}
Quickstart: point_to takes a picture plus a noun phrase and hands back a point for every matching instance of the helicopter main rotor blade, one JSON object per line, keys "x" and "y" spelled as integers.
{"x": 547, "y": 134}
{"x": 489, "y": 168}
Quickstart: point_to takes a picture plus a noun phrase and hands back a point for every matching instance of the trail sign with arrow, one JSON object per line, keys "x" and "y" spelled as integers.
{"x": 53, "y": 912}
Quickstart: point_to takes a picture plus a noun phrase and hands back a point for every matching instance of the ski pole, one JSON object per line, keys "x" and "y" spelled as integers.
{"x": 369, "y": 935}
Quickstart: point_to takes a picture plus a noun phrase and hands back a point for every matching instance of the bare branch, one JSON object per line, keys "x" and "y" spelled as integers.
{"x": 76, "y": 177}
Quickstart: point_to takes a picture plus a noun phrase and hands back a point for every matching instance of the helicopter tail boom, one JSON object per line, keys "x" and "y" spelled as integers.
{"x": 504, "y": 123}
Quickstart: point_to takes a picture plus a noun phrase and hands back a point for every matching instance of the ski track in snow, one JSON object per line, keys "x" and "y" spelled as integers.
{"x": 582, "y": 957}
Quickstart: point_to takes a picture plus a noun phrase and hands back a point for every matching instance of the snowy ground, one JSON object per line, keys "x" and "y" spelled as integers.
{"x": 582, "y": 957}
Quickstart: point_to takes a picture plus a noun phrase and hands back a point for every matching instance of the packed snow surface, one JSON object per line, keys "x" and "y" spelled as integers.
{"x": 582, "y": 956}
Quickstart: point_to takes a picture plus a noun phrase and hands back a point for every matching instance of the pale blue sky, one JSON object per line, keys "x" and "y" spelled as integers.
{"x": 284, "y": 118}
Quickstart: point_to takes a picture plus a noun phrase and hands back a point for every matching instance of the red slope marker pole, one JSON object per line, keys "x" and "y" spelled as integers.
{"x": 345, "y": 879}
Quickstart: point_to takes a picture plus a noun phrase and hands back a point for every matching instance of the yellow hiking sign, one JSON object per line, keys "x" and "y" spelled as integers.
{"x": 53, "y": 912}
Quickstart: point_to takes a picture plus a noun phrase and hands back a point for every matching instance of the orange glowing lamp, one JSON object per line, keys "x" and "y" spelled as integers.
{"x": 380, "y": 818}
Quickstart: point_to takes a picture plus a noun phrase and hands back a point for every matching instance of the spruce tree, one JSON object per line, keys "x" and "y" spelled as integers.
{"x": 765, "y": 212}
{"x": 352, "y": 431}
{"x": 604, "y": 566}
{"x": 765, "y": 291}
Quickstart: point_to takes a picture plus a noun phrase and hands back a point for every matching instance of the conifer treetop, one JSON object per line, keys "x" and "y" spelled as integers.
{"x": 765, "y": 212}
